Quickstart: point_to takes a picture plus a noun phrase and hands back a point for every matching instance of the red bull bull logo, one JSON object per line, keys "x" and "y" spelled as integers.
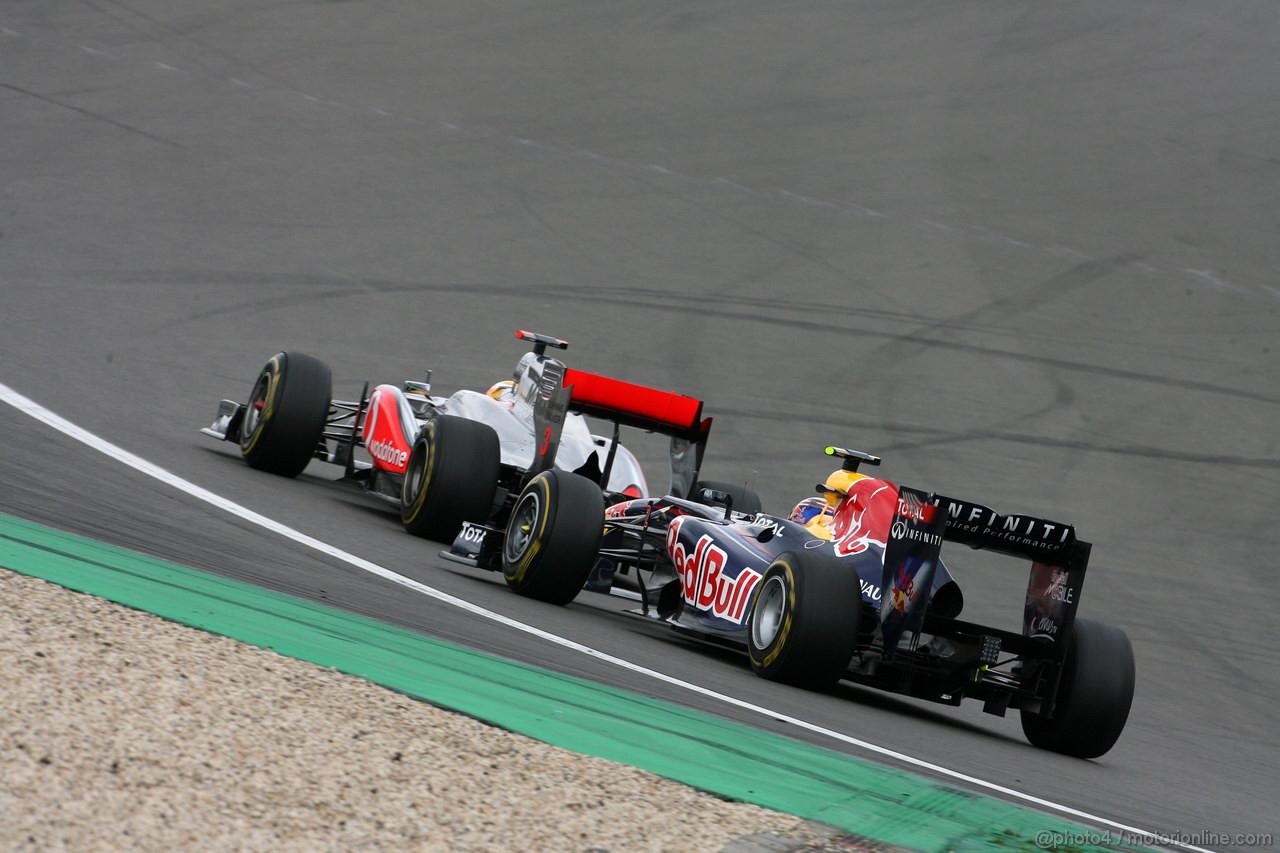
{"x": 864, "y": 515}
{"x": 903, "y": 592}
{"x": 621, "y": 510}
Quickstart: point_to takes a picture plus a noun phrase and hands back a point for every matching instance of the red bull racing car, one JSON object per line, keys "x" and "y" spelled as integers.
{"x": 851, "y": 585}
{"x": 464, "y": 458}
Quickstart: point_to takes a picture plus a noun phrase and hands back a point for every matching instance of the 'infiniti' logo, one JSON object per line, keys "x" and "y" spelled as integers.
{"x": 902, "y": 531}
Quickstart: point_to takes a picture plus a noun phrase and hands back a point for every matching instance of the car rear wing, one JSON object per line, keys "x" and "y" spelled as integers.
{"x": 557, "y": 389}
{"x": 980, "y": 526}
{"x": 635, "y": 405}
{"x": 923, "y": 521}
{"x": 650, "y": 409}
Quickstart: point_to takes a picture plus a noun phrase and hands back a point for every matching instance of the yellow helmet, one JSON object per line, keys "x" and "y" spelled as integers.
{"x": 499, "y": 389}
{"x": 837, "y": 485}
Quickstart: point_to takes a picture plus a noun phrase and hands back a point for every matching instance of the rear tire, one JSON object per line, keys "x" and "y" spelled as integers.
{"x": 744, "y": 499}
{"x": 451, "y": 477}
{"x": 553, "y": 537}
{"x": 286, "y": 414}
{"x": 1094, "y": 695}
{"x": 803, "y": 625}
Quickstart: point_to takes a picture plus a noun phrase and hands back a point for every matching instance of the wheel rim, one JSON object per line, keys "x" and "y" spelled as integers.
{"x": 766, "y": 617}
{"x": 414, "y": 476}
{"x": 253, "y": 409}
{"x": 520, "y": 533}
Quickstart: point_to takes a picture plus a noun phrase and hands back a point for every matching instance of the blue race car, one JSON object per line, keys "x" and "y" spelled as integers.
{"x": 850, "y": 585}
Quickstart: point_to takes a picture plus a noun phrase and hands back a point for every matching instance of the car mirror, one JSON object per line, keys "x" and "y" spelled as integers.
{"x": 714, "y": 496}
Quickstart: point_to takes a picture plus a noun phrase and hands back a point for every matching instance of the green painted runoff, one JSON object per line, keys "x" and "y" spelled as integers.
{"x": 729, "y": 759}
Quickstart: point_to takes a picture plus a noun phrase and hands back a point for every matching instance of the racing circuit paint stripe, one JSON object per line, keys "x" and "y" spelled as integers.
{"x": 43, "y": 415}
{"x": 881, "y": 805}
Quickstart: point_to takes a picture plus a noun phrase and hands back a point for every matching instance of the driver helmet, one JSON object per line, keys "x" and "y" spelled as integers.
{"x": 502, "y": 389}
{"x": 838, "y": 485}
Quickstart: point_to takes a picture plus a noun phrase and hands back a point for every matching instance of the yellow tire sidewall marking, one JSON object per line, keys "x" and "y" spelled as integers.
{"x": 269, "y": 408}
{"x": 268, "y": 404}
{"x": 543, "y": 484}
{"x": 421, "y": 498}
{"x": 780, "y": 641}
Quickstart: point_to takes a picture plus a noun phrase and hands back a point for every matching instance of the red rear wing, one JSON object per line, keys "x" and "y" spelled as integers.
{"x": 634, "y": 405}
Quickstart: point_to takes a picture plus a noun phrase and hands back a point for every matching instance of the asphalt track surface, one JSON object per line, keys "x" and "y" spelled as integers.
{"x": 1026, "y": 252}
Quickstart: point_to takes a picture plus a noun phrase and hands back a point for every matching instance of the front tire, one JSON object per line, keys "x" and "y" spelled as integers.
{"x": 286, "y": 414}
{"x": 803, "y": 625}
{"x": 553, "y": 537}
{"x": 1094, "y": 694}
{"x": 451, "y": 478}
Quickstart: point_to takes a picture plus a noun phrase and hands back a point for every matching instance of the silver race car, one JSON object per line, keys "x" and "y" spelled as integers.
{"x": 465, "y": 457}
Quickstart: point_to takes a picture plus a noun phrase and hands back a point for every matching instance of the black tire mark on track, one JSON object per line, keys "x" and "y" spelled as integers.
{"x": 1005, "y": 309}
{"x": 626, "y": 298}
{"x": 73, "y": 108}
{"x": 169, "y": 34}
{"x": 209, "y": 278}
{"x": 933, "y": 436}
{"x": 1008, "y": 307}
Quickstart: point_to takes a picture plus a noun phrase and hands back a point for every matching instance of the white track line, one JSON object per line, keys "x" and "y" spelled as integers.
{"x": 40, "y": 413}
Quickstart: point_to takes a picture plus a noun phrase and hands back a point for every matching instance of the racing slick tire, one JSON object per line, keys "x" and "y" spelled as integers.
{"x": 1094, "y": 694}
{"x": 553, "y": 537}
{"x": 744, "y": 499}
{"x": 803, "y": 625}
{"x": 451, "y": 477}
{"x": 286, "y": 413}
